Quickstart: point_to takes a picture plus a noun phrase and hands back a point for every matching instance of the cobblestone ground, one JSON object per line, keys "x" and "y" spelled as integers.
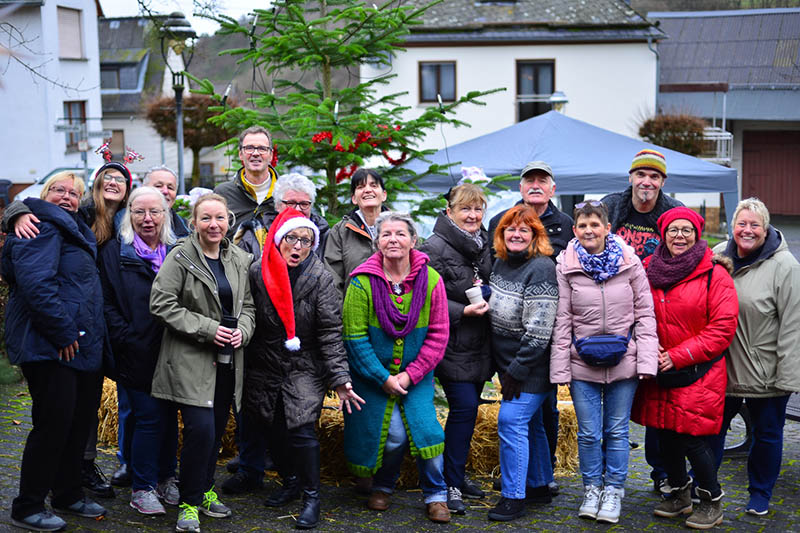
{"x": 344, "y": 510}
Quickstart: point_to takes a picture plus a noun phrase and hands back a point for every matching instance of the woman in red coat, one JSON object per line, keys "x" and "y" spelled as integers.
{"x": 696, "y": 314}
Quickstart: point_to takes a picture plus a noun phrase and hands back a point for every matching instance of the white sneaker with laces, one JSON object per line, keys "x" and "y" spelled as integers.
{"x": 591, "y": 502}
{"x": 610, "y": 504}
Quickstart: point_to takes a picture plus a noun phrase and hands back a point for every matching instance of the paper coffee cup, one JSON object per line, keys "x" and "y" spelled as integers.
{"x": 475, "y": 295}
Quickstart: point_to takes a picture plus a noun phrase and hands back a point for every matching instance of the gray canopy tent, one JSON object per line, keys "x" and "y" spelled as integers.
{"x": 585, "y": 159}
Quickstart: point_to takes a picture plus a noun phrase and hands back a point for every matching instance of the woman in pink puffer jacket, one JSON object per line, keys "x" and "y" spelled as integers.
{"x": 603, "y": 289}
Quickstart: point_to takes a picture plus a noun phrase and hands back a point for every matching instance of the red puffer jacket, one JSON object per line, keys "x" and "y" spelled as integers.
{"x": 695, "y": 322}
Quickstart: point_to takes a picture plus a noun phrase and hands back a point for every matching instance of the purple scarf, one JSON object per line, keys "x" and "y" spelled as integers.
{"x": 664, "y": 271}
{"x": 154, "y": 257}
{"x": 388, "y": 316}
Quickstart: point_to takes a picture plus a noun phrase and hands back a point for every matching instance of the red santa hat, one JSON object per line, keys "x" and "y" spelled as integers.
{"x": 275, "y": 273}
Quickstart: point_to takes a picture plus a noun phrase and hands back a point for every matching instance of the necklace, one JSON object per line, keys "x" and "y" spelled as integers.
{"x": 397, "y": 288}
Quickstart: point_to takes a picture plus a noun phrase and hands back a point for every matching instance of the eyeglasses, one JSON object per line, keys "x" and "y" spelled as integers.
{"x": 154, "y": 213}
{"x": 61, "y": 191}
{"x": 296, "y": 205}
{"x": 291, "y": 240}
{"x": 686, "y": 232}
{"x": 119, "y": 178}
{"x": 593, "y": 203}
{"x": 250, "y": 149}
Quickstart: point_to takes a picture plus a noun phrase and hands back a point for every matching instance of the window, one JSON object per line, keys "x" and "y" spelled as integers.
{"x": 117, "y": 145}
{"x": 70, "y": 36}
{"x": 206, "y": 169}
{"x": 535, "y": 83}
{"x": 437, "y": 78}
{"x": 109, "y": 78}
{"x": 74, "y": 113}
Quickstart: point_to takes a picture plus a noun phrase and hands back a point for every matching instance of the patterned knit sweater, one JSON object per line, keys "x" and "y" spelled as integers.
{"x": 523, "y": 305}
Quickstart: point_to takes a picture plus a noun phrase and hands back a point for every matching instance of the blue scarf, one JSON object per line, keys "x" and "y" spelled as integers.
{"x": 604, "y": 265}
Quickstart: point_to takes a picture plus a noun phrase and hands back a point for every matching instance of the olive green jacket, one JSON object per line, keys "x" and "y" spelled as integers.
{"x": 764, "y": 360}
{"x": 185, "y": 298}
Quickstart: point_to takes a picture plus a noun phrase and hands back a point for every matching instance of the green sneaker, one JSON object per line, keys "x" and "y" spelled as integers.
{"x": 188, "y": 519}
{"x": 212, "y": 507}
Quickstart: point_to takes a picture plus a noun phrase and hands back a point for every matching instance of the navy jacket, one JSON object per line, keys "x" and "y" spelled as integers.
{"x": 135, "y": 334}
{"x": 55, "y": 296}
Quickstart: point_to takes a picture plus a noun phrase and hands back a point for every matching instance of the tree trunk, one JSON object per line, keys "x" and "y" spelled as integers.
{"x": 195, "y": 168}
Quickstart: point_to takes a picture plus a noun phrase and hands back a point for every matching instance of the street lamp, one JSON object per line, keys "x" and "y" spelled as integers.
{"x": 558, "y": 100}
{"x": 174, "y": 33}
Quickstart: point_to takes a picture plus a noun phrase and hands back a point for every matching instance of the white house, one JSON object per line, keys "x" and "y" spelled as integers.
{"x": 50, "y": 78}
{"x": 600, "y": 54}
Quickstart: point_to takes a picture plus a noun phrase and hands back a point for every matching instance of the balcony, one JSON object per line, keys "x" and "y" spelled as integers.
{"x": 717, "y": 146}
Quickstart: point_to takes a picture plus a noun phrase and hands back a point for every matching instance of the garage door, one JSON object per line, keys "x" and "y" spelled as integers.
{"x": 770, "y": 169}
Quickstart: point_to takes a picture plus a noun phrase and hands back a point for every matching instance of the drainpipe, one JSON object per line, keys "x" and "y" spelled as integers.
{"x": 658, "y": 70}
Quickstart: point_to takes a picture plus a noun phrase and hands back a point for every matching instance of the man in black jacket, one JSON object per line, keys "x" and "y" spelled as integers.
{"x": 251, "y": 188}
{"x": 165, "y": 180}
{"x": 633, "y": 214}
{"x": 537, "y": 187}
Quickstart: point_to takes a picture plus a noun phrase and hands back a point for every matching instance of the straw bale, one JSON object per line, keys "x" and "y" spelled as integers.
{"x": 108, "y": 423}
{"x": 483, "y": 457}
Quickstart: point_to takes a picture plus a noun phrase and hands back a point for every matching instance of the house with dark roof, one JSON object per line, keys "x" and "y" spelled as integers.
{"x": 49, "y": 84}
{"x": 599, "y": 55}
{"x": 741, "y": 70}
{"x": 132, "y": 71}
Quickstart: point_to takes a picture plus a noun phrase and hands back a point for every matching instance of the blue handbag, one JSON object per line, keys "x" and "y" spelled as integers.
{"x": 602, "y": 350}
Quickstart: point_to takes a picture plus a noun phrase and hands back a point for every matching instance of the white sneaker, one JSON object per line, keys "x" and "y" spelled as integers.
{"x": 591, "y": 502}
{"x": 610, "y": 504}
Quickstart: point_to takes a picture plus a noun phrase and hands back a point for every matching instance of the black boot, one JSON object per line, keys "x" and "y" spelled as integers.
{"x": 289, "y": 492}
{"x": 308, "y": 468}
{"x": 95, "y": 481}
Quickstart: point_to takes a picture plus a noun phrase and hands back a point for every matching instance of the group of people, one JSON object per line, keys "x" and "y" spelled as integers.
{"x": 259, "y": 305}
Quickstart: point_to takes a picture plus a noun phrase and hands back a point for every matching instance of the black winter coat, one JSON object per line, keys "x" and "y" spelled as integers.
{"x": 55, "y": 296}
{"x": 135, "y": 333}
{"x": 301, "y": 377}
{"x": 458, "y": 259}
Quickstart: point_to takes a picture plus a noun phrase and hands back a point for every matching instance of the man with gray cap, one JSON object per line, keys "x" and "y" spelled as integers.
{"x": 537, "y": 187}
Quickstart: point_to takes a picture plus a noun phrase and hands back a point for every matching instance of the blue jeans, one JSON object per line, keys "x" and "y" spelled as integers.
{"x": 463, "y": 398}
{"x": 524, "y": 451}
{"x": 764, "y": 461}
{"x": 153, "y": 432}
{"x": 603, "y": 411}
{"x": 431, "y": 478}
{"x": 550, "y": 421}
{"x": 123, "y": 425}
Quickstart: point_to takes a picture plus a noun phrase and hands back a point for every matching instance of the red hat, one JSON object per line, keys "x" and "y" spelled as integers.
{"x": 275, "y": 273}
{"x": 681, "y": 212}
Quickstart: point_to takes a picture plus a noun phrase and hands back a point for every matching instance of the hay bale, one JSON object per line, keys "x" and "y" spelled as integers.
{"x": 483, "y": 459}
{"x": 108, "y": 423}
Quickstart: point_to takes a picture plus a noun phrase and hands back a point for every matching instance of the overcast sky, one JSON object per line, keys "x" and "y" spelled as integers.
{"x": 232, "y": 8}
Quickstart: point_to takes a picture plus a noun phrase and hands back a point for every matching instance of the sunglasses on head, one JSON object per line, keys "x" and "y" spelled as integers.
{"x": 593, "y": 203}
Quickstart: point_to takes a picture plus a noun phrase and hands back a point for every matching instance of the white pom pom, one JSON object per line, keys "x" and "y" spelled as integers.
{"x": 293, "y": 344}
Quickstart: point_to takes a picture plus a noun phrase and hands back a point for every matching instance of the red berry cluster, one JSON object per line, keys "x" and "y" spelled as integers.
{"x": 361, "y": 138}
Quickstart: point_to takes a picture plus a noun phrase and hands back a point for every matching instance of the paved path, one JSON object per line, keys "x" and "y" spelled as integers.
{"x": 790, "y": 227}
{"x": 344, "y": 510}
